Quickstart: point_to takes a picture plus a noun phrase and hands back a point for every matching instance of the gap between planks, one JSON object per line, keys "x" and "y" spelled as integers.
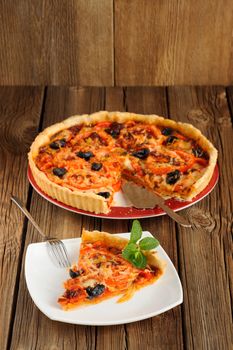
{"x": 229, "y": 92}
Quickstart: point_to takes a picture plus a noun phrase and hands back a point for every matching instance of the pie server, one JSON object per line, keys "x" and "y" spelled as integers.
{"x": 141, "y": 198}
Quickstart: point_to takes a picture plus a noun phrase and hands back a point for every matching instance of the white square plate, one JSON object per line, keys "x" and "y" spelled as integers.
{"x": 45, "y": 284}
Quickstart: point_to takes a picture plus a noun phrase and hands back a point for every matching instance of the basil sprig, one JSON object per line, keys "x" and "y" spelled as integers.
{"x": 133, "y": 251}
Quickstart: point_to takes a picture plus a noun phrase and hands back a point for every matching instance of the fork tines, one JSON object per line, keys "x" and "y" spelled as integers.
{"x": 58, "y": 249}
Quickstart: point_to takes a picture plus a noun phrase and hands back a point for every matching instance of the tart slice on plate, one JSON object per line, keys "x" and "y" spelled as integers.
{"x": 110, "y": 266}
{"x": 45, "y": 284}
{"x": 84, "y": 160}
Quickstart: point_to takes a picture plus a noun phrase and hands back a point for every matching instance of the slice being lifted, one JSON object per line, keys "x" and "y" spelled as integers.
{"x": 83, "y": 160}
{"x": 102, "y": 272}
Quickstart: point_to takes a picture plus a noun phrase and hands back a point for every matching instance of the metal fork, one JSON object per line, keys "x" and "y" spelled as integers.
{"x": 56, "y": 246}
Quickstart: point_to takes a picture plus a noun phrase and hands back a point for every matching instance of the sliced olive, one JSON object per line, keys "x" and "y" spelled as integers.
{"x": 59, "y": 171}
{"x": 95, "y": 291}
{"x": 74, "y": 274}
{"x": 85, "y": 155}
{"x": 104, "y": 194}
{"x": 114, "y": 129}
{"x": 57, "y": 144}
{"x": 199, "y": 152}
{"x": 54, "y": 145}
{"x": 173, "y": 177}
{"x": 62, "y": 142}
{"x": 170, "y": 139}
{"x": 96, "y": 166}
{"x": 142, "y": 153}
{"x": 167, "y": 131}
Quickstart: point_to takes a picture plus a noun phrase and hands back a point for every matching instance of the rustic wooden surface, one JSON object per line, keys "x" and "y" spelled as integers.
{"x": 173, "y": 42}
{"x": 116, "y": 42}
{"x": 56, "y": 42}
{"x": 202, "y": 256}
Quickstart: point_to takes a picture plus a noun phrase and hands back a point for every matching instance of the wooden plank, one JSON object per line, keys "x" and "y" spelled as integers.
{"x": 20, "y": 114}
{"x": 173, "y": 42}
{"x": 229, "y": 91}
{"x": 61, "y": 102}
{"x": 60, "y": 42}
{"x": 205, "y": 252}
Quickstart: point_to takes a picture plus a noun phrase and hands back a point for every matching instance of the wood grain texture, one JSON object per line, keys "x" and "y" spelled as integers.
{"x": 60, "y": 102}
{"x": 56, "y": 42}
{"x": 20, "y": 114}
{"x": 203, "y": 256}
{"x": 206, "y": 252}
{"x": 173, "y": 42}
{"x": 116, "y": 42}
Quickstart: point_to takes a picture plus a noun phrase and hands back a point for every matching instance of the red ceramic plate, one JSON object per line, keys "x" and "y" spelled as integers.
{"x": 129, "y": 212}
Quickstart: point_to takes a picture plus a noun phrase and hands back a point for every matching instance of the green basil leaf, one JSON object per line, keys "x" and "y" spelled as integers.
{"x": 148, "y": 243}
{"x": 136, "y": 231}
{"x": 129, "y": 250}
{"x": 139, "y": 260}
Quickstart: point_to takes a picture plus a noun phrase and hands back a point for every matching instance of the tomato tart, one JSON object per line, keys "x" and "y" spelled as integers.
{"x": 102, "y": 272}
{"x": 84, "y": 160}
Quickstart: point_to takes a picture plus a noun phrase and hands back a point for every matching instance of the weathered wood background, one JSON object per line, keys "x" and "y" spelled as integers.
{"x": 116, "y": 42}
{"x": 202, "y": 256}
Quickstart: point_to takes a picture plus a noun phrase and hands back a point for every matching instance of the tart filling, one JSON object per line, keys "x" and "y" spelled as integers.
{"x": 102, "y": 272}
{"x": 90, "y": 156}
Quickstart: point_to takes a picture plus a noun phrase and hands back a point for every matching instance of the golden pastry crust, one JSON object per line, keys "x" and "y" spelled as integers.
{"x": 90, "y": 201}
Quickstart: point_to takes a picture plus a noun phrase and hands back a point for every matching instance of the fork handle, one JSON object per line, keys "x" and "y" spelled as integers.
{"x": 178, "y": 218}
{"x": 18, "y": 202}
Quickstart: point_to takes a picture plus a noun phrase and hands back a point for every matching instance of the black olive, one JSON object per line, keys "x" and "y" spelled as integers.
{"x": 54, "y": 145}
{"x": 59, "y": 171}
{"x": 57, "y": 144}
{"x": 74, "y": 274}
{"x": 62, "y": 142}
{"x": 167, "y": 131}
{"x": 96, "y": 166}
{"x": 114, "y": 129}
{"x": 85, "y": 155}
{"x": 142, "y": 153}
{"x": 170, "y": 139}
{"x": 199, "y": 153}
{"x": 95, "y": 291}
{"x": 104, "y": 194}
{"x": 173, "y": 177}
{"x": 114, "y": 134}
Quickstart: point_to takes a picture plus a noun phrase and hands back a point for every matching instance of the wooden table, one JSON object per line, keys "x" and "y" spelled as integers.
{"x": 202, "y": 256}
